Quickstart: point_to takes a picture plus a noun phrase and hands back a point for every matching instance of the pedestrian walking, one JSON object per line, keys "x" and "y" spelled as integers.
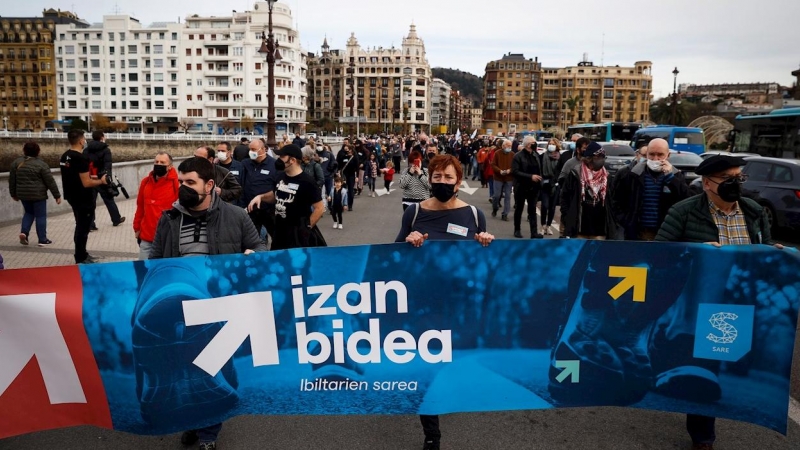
{"x": 371, "y": 173}
{"x": 260, "y": 175}
{"x": 527, "y": 184}
{"x": 79, "y": 192}
{"x": 100, "y": 159}
{"x": 442, "y": 217}
{"x": 338, "y": 203}
{"x": 348, "y": 164}
{"x": 226, "y": 184}
{"x": 414, "y": 181}
{"x": 28, "y": 182}
{"x": 503, "y": 180}
{"x": 157, "y": 193}
{"x": 585, "y": 198}
{"x": 549, "y": 162}
{"x": 388, "y": 176}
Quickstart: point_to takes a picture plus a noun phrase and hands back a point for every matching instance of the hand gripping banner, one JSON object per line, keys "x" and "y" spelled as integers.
{"x": 161, "y": 346}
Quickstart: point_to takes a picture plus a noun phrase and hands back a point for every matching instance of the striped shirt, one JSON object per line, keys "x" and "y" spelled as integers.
{"x": 732, "y": 227}
{"x": 194, "y": 236}
{"x": 651, "y": 197}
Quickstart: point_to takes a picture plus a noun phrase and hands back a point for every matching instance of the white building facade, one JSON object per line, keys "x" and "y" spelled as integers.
{"x": 117, "y": 68}
{"x": 224, "y": 80}
{"x": 202, "y": 76}
{"x": 440, "y": 105}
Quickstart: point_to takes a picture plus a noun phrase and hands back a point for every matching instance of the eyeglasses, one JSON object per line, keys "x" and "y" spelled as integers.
{"x": 741, "y": 178}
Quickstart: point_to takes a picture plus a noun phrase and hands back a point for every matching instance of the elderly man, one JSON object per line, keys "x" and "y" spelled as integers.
{"x": 226, "y": 159}
{"x": 259, "y": 175}
{"x": 719, "y": 216}
{"x": 644, "y": 192}
{"x": 226, "y": 185}
{"x": 527, "y": 182}
{"x": 501, "y": 166}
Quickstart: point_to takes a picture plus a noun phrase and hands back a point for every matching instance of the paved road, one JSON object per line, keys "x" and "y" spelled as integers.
{"x": 376, "y": 220}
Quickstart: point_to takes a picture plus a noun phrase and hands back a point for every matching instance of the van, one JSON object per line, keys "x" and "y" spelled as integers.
{"x": 683, "y": 139}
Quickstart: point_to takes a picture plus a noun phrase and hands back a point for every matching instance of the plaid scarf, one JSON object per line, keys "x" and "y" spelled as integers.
{"x": 596, "y": 181}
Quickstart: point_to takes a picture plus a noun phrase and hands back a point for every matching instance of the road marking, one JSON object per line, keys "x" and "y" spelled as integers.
{"x": 794, "y": 410}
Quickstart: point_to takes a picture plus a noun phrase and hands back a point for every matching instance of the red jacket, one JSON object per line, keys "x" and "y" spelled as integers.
{"x": 154, "y": 198}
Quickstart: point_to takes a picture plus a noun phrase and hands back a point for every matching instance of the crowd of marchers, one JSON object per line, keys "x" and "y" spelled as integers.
{"x": 249, "y": 197}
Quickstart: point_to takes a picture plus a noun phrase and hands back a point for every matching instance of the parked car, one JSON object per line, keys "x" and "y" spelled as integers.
{"x": 775, "y": 184}
{"x": 686, "y": 162}
{"x": 617, "y": 156}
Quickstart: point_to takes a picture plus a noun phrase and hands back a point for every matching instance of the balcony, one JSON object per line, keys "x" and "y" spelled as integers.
{"x": 220, "y": 88}
{"x": 219, "y": 57}
{"x": 219, "y": 42}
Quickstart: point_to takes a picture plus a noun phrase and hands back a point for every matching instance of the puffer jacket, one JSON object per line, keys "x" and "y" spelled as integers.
{"x": 155, "y": 197}
{"x": 230, "y": 230}
{"x": 30, "y": 179}
{"x": 691, "y": 221}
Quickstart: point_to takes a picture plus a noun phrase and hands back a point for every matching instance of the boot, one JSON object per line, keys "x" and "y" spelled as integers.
{"x": 535, "y": 231}
{"x": 517, "y": 233}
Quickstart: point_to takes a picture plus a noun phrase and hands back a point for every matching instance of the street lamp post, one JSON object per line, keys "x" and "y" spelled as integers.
{"x": 269, "y": 49}
{"x": 675, "y": 97}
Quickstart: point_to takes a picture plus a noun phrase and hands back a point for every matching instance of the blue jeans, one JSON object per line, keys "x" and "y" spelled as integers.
{"x": 35, "y": 210}
{"x": 490, "y": 182}
{"x": 502, "y": 188}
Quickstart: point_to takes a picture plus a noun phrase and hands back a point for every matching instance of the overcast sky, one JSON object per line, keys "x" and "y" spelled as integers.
{"x": 710, "y": 41}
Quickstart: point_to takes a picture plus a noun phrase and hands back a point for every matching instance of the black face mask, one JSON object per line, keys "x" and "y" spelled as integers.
{"x": 597, "y": 164}
{"x": 730, "y": 190}
{"x": 279, "y": 164}
{"x": 431, "y": 155}
{"x": 159, "y": 170}
{"x": 188, "y": 197}
{"x": 443, "y": 191}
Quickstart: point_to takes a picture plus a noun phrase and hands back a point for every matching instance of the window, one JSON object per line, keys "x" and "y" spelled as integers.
{"x": 258, "y": 66}
{"x": 158, "y": 77}
{"x": 238, "y": 67}
{"x": 96, "y": 90}
{"x": 70, "y": 64}
{"x": 757, "y": 171}
{"x": 158, "y": 49}
{"x": 95, "y": 63}
{"x": 96, "y": 104}
{"x": 95, "y": 77}
{"x": 113, "y": 77}
{"x": 158, "y": 63}
{"x": 238, "y": 51}
{"x": 188, "y": 52}
{"x": 258, "y": 97}
{"x": 158, "y": 90}
{"x": 69, "y": 49}
{"x": 132, "y": 49}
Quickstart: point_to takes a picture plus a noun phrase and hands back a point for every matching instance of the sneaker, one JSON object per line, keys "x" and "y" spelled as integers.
{"x": 373, "y": 195}
{"x": 208, "y": 446}
{"x": 189, "y": 437}
{"x": 504, "y": 217}
{"x": 335, "y": 225}
{"x": 121, "y": 219}
{"x": 549, "y": 231}
{"x": 23, "y": 239}
{"x": 430, "y": 444}
{"x": 341, "y": 227}
{"x": 45, "y": 243}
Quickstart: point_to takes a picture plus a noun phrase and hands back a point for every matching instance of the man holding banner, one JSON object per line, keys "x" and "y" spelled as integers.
{"x": 720, "y": 216}
{"x": 200, "y": 223}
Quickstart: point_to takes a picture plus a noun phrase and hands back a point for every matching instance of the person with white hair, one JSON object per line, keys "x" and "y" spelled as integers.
{"x": 527, "y": 182}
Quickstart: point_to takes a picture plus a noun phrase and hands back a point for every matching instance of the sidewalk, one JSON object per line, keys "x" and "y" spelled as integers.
{"x": 109, "y": 243}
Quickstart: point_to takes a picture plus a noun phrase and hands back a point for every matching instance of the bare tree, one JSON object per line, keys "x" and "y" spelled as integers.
{"x": 227, "y": 125}
{"x": 186, "y": 124}
{"x": 248, "y": 123}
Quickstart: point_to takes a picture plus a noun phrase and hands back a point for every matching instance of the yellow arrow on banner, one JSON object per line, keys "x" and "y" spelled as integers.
{"x": 632, "y": 278}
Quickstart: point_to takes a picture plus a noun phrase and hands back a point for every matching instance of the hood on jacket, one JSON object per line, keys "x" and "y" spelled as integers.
{"x": 215, "y": 200}
{"x": 96, "y": 146}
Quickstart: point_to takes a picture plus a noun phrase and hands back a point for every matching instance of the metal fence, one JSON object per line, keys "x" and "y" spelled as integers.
{"x": 152, "y": 137}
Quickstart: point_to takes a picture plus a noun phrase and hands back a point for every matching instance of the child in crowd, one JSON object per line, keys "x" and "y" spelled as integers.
{"x": 388, "y": 175}
{"x": 371, "y": 173}
{"x": 338, "y": 202}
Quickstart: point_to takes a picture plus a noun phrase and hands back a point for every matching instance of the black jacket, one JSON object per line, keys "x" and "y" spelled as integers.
{"x": 628, "y": 197}
{"x": 99, "y": 155}
{"x": 571, "y": 208}
{"x": 231, "y": 190}
{"x": 348, "y": 168}
{"x": 691, "y": 221}
{"x": 524, "y": 165}
{"x": 328, "y": 163}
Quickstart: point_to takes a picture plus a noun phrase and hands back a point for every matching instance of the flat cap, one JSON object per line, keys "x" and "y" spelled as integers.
{"x": 718, "y": 163}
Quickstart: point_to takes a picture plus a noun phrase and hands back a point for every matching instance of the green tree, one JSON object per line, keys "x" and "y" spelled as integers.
{"x": 79, "y": 124}
{"x": 662, "y": 113}
{"x": 572, "y": 105}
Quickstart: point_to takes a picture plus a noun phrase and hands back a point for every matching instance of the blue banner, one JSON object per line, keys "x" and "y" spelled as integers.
{"x": 448, "y": 327}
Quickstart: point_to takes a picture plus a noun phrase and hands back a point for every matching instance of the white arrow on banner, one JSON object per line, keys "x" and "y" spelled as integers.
{"x": 28, "y": 328}
{"x": 249, "y": 314}
{"x": 466, "y": 189}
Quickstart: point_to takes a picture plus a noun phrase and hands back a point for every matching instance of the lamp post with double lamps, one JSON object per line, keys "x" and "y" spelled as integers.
{"x": 269, "y": 48}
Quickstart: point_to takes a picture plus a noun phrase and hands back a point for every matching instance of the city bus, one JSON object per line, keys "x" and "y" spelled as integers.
{"x": 606, "y": 132}
{"x": 539, "y": 135}
{"x": 776, "y": 134}
{"x": 682, "y": 139}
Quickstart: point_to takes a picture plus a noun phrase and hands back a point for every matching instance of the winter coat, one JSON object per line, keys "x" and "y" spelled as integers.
{"x": 524, "y": 165}
{"x": 690, "y": 221}
{"x": 230, "y": 230}
{"x": 98, "y": 153}
{"x": 628, "y": 199}
{"x": 30, "y": 179}
{"x": 314, "y": 170}
{"x": 155, "y": 197}
{"x": 571, "y": 205}
{"x": 229, "y": 183}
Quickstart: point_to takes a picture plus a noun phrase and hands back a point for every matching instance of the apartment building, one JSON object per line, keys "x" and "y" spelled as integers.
{"x": 440, "y": 105}
{"x": 28, "y": 69}
{"x": 512, "y": 93}
{"x": 586, "y": 93}
{"x": 121, "y": 70}
{"x": 224, "y": 78}
{"x": 390, "y": 88}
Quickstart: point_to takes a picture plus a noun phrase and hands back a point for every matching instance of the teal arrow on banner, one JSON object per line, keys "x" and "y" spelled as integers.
{"x": 571, "y": 368}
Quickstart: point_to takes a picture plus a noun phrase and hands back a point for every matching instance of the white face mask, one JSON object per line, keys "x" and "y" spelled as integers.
{"x": 551, "y": 148}
{"x": 654, "y": 165}
{"x": 507, "y": 149}
{"x": 223, "y": 156}
{"x": 253, "y": 155}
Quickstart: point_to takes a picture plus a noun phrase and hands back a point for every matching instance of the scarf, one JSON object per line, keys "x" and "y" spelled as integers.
{"x": 596, "y": 181}
{"x": 549, "y": 164}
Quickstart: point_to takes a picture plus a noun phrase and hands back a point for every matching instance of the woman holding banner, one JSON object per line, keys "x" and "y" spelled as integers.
{"x": 442, "y": 217}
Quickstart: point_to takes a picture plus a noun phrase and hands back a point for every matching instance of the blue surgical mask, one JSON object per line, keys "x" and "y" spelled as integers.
{"x": 572, "y": 146}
